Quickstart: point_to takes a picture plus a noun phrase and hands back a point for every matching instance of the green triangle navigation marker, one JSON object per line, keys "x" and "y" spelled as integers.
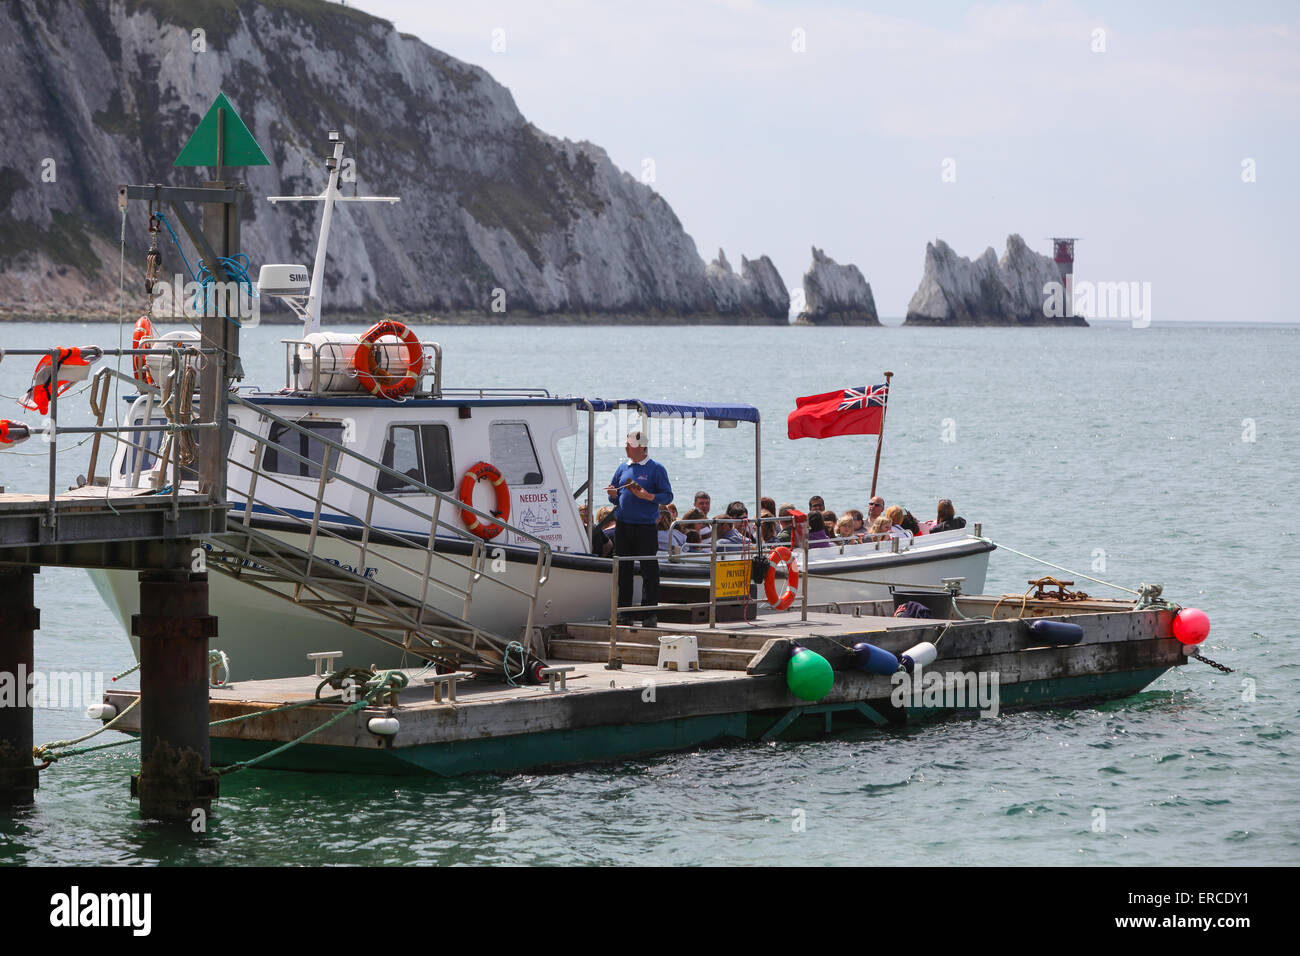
{"x": 221, "y": 139}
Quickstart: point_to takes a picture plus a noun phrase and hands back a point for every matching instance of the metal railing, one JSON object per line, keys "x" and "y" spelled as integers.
{"x": 746, "y": 553}
{"x": 340, "y": 357}
{"x": 340, "y": 509}
{"x": 51, "y": 432}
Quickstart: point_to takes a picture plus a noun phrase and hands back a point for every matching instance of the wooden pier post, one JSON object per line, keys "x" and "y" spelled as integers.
{"x": 19, "y": 777}
{"x": 174, "y": 626}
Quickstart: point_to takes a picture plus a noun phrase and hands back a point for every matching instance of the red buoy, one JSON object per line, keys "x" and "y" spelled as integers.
{"x": 1191, "y": 625}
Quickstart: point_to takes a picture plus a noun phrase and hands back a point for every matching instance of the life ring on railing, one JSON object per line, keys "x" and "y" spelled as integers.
{"x": 363, "y": 360}
{"x": 781, "y": 555}
{"x": 483, "y": 470}
{"x": 143, "y": 330}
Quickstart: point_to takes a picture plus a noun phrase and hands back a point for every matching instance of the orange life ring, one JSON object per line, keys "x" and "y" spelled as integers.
{"x": 483, "y": 470}
{"x": 779, "y": 556}
{"x": 143, "y": 330}
{"x": 368, "y": 371}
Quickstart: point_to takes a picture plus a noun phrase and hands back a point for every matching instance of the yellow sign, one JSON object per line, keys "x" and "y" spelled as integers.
{"x": 732, "y": 579}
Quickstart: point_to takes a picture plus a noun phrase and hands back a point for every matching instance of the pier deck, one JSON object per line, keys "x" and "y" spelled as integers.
{"x": 91, "y": 527}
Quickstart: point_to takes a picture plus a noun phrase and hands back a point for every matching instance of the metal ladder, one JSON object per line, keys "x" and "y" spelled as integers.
{"x": 433, "y": 569}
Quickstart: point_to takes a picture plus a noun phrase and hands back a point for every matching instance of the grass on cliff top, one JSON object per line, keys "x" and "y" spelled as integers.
{"x": 333, "y": 21}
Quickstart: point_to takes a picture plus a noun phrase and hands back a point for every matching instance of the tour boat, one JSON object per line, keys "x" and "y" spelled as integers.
{"x": 354, "y": 516}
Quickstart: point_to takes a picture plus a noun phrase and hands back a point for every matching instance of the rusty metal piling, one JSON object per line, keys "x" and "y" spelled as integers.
{"x": 174, "y": 627}
{"x": 19, "y": 621}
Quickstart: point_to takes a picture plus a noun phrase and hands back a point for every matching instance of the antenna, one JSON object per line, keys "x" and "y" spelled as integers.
{"x": 308, "y": 308}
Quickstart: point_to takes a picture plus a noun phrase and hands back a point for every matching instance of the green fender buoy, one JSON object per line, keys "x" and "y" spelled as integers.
{"x": 809, "y": 675}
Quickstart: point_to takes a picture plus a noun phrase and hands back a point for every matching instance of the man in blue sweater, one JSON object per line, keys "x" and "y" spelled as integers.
{"x": 639, "y": 487}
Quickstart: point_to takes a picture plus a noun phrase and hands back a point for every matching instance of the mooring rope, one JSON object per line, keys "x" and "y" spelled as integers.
{"x": 1078, "y": 574}
{"x": 128, "y": 671}
{"x": 378, "y": 683}
{"x": 523, "y": 663}
{"x": 43, "y": 752}
{"x": 384, "y": 681}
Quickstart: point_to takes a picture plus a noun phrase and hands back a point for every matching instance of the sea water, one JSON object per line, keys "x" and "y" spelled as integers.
{"x": 1131, "y": 455}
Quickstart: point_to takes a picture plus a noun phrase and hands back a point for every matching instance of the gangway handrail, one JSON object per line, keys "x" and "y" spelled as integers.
{"x": 452, "y": 633}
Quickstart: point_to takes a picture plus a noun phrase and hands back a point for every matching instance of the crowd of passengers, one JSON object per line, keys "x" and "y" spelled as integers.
{"x": 735, "y": 531}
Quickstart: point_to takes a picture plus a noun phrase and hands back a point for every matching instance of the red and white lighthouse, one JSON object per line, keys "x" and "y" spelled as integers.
{"x": 1063, "y": 247}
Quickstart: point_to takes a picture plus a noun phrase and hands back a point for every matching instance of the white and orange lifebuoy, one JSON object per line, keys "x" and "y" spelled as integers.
{"x": 374, "y": 378}
{"x": 143, "y": 330}
{"x": 781, "y": 555}
{"x": 467, "y": 484}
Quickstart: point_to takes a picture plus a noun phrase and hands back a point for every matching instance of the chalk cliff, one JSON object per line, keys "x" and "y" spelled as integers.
{"x": 835, "y": 294}
{"x": 758, "y": 290}
{"x": 987, "y": 291}
{"x": 101, "y": 92}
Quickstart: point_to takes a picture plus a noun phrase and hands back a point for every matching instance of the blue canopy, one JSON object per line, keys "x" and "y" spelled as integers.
{"x": 710, "y": 412}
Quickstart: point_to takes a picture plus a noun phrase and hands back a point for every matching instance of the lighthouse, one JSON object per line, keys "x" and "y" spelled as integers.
{"x": 1064, "y": 255}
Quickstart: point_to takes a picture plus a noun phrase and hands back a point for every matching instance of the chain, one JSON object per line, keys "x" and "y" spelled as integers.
{"x": 152, "y": 263}
{"x": 1215, "y": 664}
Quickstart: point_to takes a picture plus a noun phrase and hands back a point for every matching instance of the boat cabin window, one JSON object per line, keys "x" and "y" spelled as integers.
{"x": 150, "y": 440}
{"x": 421, "y": 452}
{"x": 304, "y": 443}
{"x": 511, "y": 448}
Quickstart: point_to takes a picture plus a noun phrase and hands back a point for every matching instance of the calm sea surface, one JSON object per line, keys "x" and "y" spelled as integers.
{"x": 1162, "y": 454}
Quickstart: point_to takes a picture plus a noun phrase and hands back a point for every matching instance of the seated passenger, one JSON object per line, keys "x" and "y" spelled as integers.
{"x": 844, "y": 530}
{"x": 880, "y": 528}
{"x": 815, "y": 503}
{"x": 787, "y": 523}
{"x": 768, "y": 528}
{"x": 896, "y": 529}
{"x": 693, "y": 531}
{"x": 860, "y": 530}
{"x": 909, "y": 523}
{"x": 817, "y": 536}
{"x": 702, "y": 504}
{"x": 946, "y": 519}
{"x": 737, "y": 531}
{"x": 602, "y": 536}
{"x": 875, "y": 508}
{"x": 829, "y": 518}
{"x": 669, "y": 542}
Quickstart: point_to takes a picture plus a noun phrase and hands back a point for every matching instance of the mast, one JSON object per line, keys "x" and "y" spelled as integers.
{"x": 309, "y": 308}
{"x": 880, "y": 439}
{"x": 329, "y": 196}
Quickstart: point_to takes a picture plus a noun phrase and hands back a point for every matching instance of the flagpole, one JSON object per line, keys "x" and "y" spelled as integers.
{"x": 880, "y": 439}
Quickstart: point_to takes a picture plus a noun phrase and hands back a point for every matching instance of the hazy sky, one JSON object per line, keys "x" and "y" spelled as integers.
{"x": 1131, "y": 127}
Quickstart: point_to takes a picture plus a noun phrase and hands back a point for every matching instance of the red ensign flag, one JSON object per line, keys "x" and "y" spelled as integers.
{"x": 851, "y": 411}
